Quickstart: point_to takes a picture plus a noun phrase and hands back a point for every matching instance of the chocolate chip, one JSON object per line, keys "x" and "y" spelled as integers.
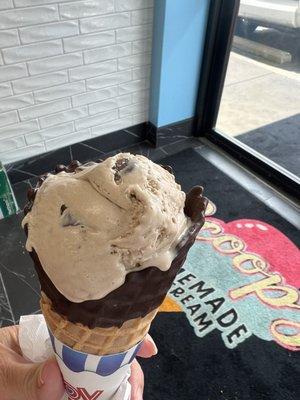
{"x": 168, "y": 168}
{"x": 60, "y": 168}
{"x": 69, "y": 220}
{"x": 117, "y": 178}
{"x": 73, "y": 165}
{"x": 63, "y": 208}
{"x": 121, "y": 164}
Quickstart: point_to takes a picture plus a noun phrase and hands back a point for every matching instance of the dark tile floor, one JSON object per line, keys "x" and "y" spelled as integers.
{"x": 20, "y": 288}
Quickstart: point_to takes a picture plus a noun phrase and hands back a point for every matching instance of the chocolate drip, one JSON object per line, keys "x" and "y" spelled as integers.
{"x": 142, "y": 292}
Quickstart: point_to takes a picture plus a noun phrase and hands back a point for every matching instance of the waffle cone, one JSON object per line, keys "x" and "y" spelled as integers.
{"x": 98, "y": 341}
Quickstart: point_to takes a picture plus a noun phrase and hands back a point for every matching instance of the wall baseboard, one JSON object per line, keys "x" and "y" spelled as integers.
{"x": 170, "y": 133}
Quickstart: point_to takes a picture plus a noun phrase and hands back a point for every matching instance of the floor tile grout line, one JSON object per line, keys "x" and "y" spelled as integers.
{"x": 127, "y": 147}
{"x": 21, "y": 278}
{"x": 24, "y": 172}
{"x": 174, "y": 150}
{"x": 6, "y": 308}
{"x": 7, "y": 298}
{"x": 131, "y": 133}
{"x": 164, "y": 151}
{"x": 91, "y": 147}
{"x": 166, "y": 136}
{"x": 172, "y": 143}
{"x": 36, "y": 312}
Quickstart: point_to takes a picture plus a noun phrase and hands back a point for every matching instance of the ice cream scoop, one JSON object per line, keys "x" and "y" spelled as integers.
{"x": 93, "y": 226}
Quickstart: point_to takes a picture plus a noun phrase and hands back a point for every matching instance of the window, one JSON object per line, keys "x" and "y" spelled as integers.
{"x": 249, "y": 93}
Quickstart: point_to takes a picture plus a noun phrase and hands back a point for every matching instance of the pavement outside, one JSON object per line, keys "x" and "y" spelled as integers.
{"x": 257, "y": 93}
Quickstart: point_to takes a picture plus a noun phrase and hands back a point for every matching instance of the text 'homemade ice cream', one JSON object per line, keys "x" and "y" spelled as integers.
{"x": 92, "y": 227}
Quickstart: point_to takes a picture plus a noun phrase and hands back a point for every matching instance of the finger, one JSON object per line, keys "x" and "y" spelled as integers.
{"x": 27, "y": 381}
{"x": 148, "y": 348}
{"x": 137, "y": 381}
{"x": 9, "y": 337}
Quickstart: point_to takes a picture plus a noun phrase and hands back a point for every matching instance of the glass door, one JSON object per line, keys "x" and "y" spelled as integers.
{"x": 250, "y": 79}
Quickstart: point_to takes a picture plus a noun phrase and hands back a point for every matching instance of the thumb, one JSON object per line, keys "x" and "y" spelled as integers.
{"x": 25, "y": 381}
{"x": 148, "y": 347}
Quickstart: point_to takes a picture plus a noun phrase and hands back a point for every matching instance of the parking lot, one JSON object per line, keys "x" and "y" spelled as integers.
{"x": 256, "y": 94}
{"x": 259, "y": 91}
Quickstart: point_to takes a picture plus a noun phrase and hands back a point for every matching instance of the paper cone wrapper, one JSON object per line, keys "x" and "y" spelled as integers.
{"x": 92, "y": 377}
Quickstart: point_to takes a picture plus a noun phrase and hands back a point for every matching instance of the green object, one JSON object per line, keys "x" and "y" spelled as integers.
{"x": 8, "y": 203}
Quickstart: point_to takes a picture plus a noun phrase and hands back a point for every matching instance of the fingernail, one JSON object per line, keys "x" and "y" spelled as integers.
{"x": 155, "y": 349}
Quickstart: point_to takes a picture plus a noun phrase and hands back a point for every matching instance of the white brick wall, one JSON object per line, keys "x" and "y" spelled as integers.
{"x": 71, "y": 70}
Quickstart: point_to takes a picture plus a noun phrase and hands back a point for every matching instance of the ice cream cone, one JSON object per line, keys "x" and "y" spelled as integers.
{"x": 107, "y": 240}
{"x": 97, "y": 341}
{"x": 109, "y": 262}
